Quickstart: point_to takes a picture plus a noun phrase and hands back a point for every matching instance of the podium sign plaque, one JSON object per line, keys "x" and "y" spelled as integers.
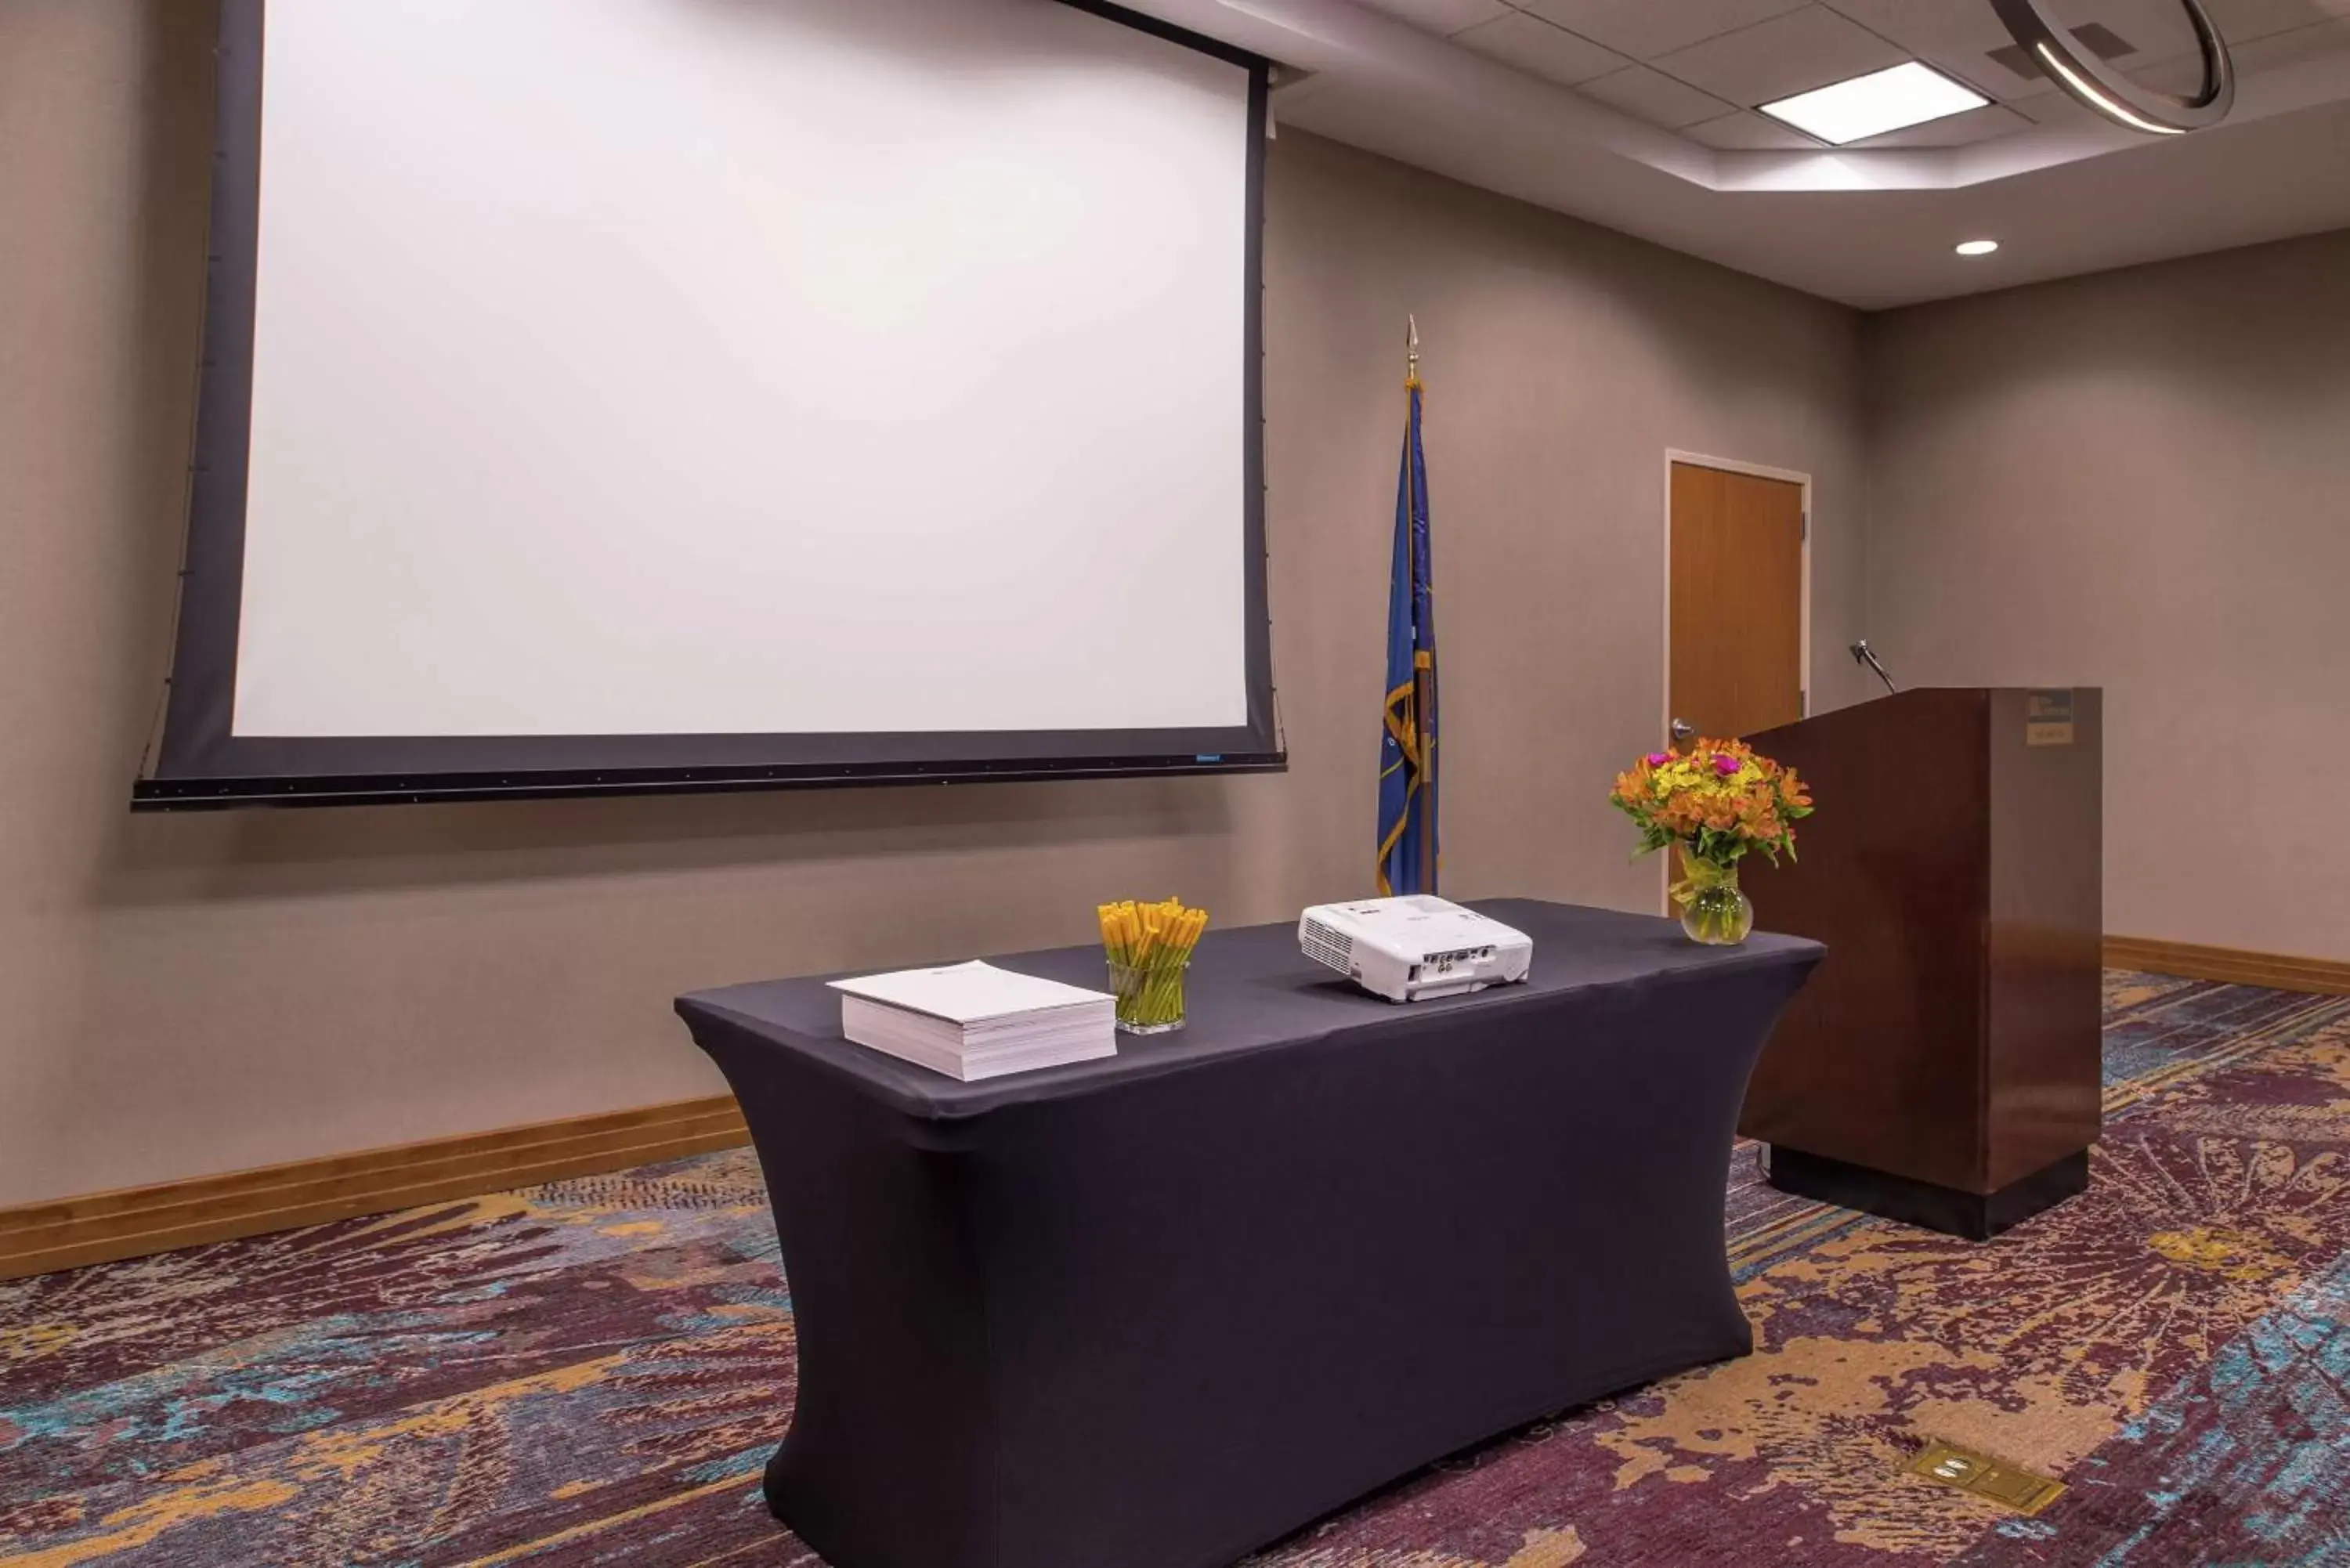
{"x": 2048, "y": 718}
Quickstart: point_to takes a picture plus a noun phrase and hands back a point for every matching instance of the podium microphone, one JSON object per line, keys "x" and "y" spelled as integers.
{"x": 1861, "y": 655}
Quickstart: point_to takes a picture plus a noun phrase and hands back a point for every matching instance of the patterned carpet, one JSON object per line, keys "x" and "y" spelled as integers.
{"x": 593, "y": 1372}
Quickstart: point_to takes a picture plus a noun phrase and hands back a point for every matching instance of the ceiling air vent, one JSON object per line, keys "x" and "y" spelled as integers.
{"x": 2096, "y": 37}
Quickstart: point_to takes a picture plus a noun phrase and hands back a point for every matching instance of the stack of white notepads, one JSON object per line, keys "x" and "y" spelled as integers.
{"x": 972, "y": 1021}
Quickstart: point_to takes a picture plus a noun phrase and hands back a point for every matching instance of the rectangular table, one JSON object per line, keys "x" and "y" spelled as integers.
{"x": 1157, "y": 1310}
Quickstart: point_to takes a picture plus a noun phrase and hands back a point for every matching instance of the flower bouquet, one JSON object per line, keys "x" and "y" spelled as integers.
{"x": 1714, "y": 802}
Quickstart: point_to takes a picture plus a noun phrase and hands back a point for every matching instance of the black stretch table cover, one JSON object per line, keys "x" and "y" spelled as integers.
{"x": 1157, "y": 1310}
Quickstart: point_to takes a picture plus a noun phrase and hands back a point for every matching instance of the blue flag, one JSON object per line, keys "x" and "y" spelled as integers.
{"x": 1407, "y": 840}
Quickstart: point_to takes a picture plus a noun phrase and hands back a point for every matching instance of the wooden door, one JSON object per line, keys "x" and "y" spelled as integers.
{"x": 1736, "y": 633}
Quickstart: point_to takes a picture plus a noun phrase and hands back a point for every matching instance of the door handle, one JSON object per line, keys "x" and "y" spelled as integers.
{"x": 1683, "y": 732}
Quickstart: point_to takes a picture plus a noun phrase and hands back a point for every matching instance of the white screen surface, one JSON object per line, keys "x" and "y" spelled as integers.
{"x": 676, "y": 366}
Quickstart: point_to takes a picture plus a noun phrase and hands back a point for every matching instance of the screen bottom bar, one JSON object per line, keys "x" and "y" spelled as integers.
{"x": 419, "y": 789}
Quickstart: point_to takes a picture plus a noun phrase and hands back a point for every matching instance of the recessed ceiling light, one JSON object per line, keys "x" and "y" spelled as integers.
{"x": 1977, "y": 247}
{"x": 1891, "y": 99}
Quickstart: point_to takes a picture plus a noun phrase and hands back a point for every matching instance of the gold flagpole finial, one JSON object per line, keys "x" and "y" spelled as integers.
{"x": 1411, "y": 349}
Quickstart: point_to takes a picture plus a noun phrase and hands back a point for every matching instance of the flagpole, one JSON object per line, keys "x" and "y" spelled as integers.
{"x": 1421, "y": 702}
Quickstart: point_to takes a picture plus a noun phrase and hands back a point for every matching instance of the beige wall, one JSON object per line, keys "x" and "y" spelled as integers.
{"x": 196, "y": 993}
{"x": 2141, "y": 480}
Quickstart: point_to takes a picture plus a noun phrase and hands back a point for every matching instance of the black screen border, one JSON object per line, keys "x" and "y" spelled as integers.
{"x": 204, "y": 764}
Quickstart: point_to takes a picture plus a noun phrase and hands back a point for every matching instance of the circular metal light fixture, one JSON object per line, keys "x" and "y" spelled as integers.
{"x": 2112, "y": 93}
{"x": 1976, "y": 247}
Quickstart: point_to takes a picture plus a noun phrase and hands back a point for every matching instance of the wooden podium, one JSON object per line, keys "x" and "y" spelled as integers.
{"x": 1942, "y": 1065}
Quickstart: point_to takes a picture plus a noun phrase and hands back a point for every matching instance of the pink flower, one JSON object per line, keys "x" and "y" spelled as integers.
{"x": 1726, "y": 767}
{"x": 1658, "y": 758}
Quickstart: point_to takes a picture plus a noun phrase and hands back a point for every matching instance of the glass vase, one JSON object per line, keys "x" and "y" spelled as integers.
{"x": 1714, "y": 911}
{"x": 1149, "y": 995}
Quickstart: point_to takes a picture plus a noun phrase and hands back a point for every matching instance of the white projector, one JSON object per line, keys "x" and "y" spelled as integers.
{"x": 1409, "y": 949}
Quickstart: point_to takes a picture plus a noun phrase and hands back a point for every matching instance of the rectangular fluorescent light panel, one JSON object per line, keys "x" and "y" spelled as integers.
{"x": 1892, "y": 100}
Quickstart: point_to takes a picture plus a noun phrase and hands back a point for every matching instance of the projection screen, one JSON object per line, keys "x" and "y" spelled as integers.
{"x": 630, "y": 395}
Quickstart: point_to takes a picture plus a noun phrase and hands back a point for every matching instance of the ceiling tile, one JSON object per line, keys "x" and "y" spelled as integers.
{"x": 1644, "y": 29}
{"x": 1928, "y": 28}
{"x": 2181, "y": 73}
{"x": 1746, "y": 132}
{"x": 2291, "y": 48}
{"x": 1953, "y": 129}
{"x": 1786, "y": 55}
{"x": 1533, "y": 44}
{"x": 2152, "y": 27}
{"x": 2059, "y": 108}
{"x": 2242, "y": 21}
{"x": 1441, "y": 17}
{"x": 1652, "y": 95}
{"x": 1989, "y": 74}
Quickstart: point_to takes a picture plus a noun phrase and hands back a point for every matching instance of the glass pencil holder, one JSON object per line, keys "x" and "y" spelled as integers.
{"x": 1149, "y": 995}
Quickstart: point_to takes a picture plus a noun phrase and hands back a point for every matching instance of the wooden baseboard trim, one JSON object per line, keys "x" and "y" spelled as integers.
{"x": 2277, "y": 971}
{"x": 134, "y": 1223}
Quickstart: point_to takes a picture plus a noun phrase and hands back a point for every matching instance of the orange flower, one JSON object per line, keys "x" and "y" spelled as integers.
{"x": 1720, "y": 798}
